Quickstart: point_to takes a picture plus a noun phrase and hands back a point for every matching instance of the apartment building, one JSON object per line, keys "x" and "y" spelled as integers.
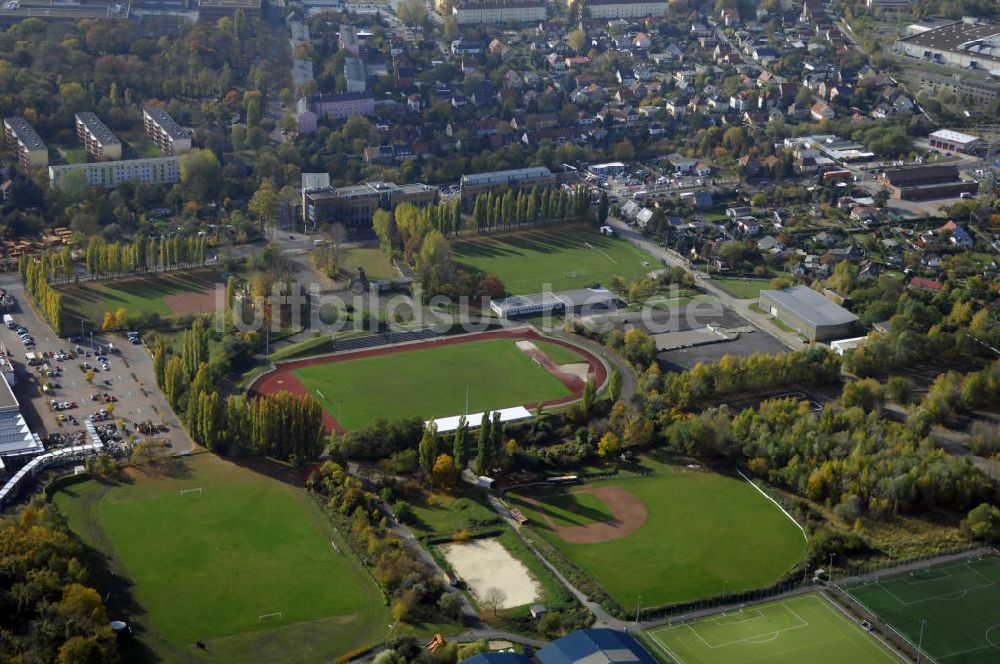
{"x": 519, "y": 178}
{"x": 96, "y": 137}
{"x": 492, "y": 12}
{"x": 625, "y": 8}
{"x": 156, "y": 170}
{"x": 356, "y": 205}
{"x": 24, "y": 141}
{"x": 169, "y": 136}
{"x": 337, "y": 106}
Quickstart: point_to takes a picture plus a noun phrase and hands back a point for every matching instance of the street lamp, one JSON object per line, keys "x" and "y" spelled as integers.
{"x": 340, "y": 403}
{"x": 920, "y": 640}
{"x": 388, "y": 634}
{"x": 829, "y": 572}
{"x": 637, "y": 600}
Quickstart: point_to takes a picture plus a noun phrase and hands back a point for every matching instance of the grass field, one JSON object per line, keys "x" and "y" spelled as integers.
{"x": 206, "y": 565}
{"x": 557, "y": 258}
{"x": 789, "y": 631}
{"x": 704, "y": 534}
{"x": 960, "y": 602}
{"x": 446, "y": 514}
{"x": 559, "y": 354}
{"x": 373, "y": 259}
{"x": 743, "y": 288}
{"x": 139, "y": 295}
{"x": 431, "y": 382}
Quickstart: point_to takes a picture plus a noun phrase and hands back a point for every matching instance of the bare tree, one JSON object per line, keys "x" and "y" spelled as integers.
{"x": 494, "y": 598}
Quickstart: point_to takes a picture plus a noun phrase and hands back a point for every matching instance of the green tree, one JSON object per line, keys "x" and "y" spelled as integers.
{"x": 615, "y": 384}
{"x": 483, "y": 459}
{"x": 461, "y": 444}
{"x": 602, "y": 208}
{"x": 589, "y": 395}
{"x": 428, "y": 448}
{"x": 983, "y": 523}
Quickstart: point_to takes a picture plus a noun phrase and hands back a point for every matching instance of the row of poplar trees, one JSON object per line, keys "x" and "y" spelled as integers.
{"x": 283, "y": 425}
{"x": 496, "y": 210}
{"x": 35, "y": 276}
{"x": 111, "y": 259}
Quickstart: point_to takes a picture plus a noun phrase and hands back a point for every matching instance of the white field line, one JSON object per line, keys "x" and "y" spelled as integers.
{"x": 783, "y": 510}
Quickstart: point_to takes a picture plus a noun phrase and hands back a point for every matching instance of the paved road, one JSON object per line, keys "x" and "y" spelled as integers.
{"x": 740, "y": 306}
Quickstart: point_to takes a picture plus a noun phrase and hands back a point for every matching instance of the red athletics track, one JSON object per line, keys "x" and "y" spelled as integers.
{"x": 283, "y": 378}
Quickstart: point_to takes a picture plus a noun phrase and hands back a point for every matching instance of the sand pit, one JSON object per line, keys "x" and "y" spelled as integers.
{"x": 183, "y": 304}
{"x": 485, "y": 564}
{"x": 579, "y": 369}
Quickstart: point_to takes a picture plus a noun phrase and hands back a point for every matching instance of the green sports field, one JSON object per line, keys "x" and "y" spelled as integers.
{"x": 790, "y": 631}
{"x": 430, "y": 382}
{"x": 140, "y": 295}
{"x": 210, "y": 565}
{"x": 960, "y": 602}
{"x": 704, "y": 534}
{"x": 743, "y": 288}
{"x": 554, "y": 259}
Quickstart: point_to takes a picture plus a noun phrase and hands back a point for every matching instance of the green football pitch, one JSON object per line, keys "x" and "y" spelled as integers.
{"x": 697, "y": 534}
{"x": 960, "y": 602}
{"x": 430, "y": 382}
{"x": 789, "y": 631}
{"x": 556, "y": 259}
{"x": 218, "y": 553}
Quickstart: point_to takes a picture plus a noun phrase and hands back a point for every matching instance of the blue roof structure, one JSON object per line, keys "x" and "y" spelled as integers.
{"x": 498, "y": 658}
{"x": 595, "y": 646}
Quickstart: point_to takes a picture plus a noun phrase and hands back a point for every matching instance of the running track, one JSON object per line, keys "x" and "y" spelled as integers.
{"x": 282, "y": 377}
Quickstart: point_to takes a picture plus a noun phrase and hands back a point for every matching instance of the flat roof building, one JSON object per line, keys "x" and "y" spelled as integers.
{"x": 355, "y": 206}
{"x": 156, "y": 170}
{"x": 625, "y": 8}
{"x": 96, "y": 137}
{"x": 608, "y": 169}
{"x": 337, "y": 106}
{"x": 811, "y": 314}
{"x": 519, "y": 178}
{"x": 954, "y": 141}
{"x": 169, "y": 136}
{"x": 527, "y": 305}
{"x": 595, "y": 646}
{"x": 213, "y": 10}
{"x": 354, "y": 72}
{"x": 492, "y": 12}
{"x": 922, "y": 183}
{"x": 966, "y": 43}
{"x": 25, "y": 141}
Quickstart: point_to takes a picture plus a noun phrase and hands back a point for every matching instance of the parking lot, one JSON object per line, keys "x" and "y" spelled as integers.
{"x": 68, "y": 382}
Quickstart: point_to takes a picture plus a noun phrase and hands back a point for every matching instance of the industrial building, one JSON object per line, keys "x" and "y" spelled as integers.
{"x": 625, "y": 8}
{"x": 519, "y": 178}
{"x": 970, "y": 43}
{"x": 213, "y": 10}
{"x": 965, "y": 88}
{"x": 354, "y": 73}
{"x": 955, "y": 141}
{"x": 492, "y": 12}
{"x": 17, "y": 443}
{"x": 922, "y": 183}
{"x": 96, "y": 137}
{"x": 355, "y": 206}
{"x": 584, "y": 646}
{"x": 336, "y": 106}
{"x": 156, "y": 170}
{"x": 22, "y": 138}
{"x": 809, "y": 313}
{"x": 169, "y": 136}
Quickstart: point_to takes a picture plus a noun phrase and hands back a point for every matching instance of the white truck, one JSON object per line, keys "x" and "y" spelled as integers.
{"x": 8, "y": 320}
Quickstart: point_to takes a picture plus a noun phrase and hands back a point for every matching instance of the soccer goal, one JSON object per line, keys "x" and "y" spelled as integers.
{"x": 270, "y": 617}
{"x": 194, "y": 490}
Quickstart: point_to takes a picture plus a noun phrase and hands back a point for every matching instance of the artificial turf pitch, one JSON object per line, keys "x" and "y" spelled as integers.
{"x": 560, "y": 258}
{"x": 207, "y": 565}
{"x": 789, "y": 631}
{"x": 430, "y": 382}
{"x": 705, "y": 534}
{"x": 959, "y": 600}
